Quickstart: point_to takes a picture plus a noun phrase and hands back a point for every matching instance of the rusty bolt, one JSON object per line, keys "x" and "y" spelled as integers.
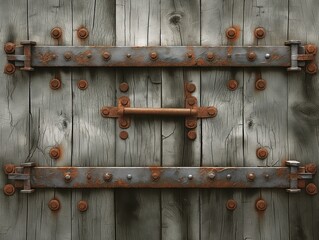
{"x": 191, "y": 123}
{"x": 261, "y": 205}
{"x": 189, "y": 55}
{"x": 9, "y": 47}
{"x": 123, "y": 123}
{"x": 124, "y": 87}
{"x": 9, "y": 68}
{"x": 123, "y": 135}
{"x": 67, "y": 56}
{"x": 260, "y": 84}
{"x": 107, "y": 177}
{"x": 105, "y": 112}
{"x": 232, "y": 85}
{"x": 192, "y": 135}
{"x": 82, "y": 206}
{"x": 153, "y": 55}
{"x": 311, "y": 189}
{"x": 311, "y": 68}
{"x": 231, "y": 204}
{"x": 67, "y": 177}
{"x": 311, "y": 49}
{"x": 191, "y": 101}
{"x": 83, "y": 33}
{"x": 262, "y": 153}
{"x": 251, "y": 56}
{"x": 55, "y": 152}
{"x": 191, "y": 87}
{"x": 251, "y": 177}
{"x": 260, "y": 32}
{"x": 82, "y": 84}
{"x": 54, "y": 205}
{"x": 212, "y": 111}
{"x": 231, "y": 33}
{"x": 211, "y": 175}
{"x": 9, "y": 168}
{"x": 55, "y": 84}
{"x": 124, "y": 101}
{"x": 56, "y": 32}
{"x": 106, "y": 55}
{"x": 9, "y": 189}
{"x": 210, "y": 56}
{"x": 155, "y": 176}
{"x": 311, "y": 168}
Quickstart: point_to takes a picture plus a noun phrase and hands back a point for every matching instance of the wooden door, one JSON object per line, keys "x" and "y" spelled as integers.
{"x": 283, "y": 118}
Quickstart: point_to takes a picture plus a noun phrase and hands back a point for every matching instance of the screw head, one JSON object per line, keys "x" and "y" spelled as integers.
{"x": 231, "y": 204}
{"x": 9, "y": 168}
{"x": 82, "y": 206}
{"x": 192, "y": 135}
{"x": 9, "y": 189}
{"x": 55, "y": 84}
{"x": 123, "y": 123}
{"x": 311, "y": 68}
{"x": 129, "y": 176}
{"x": 67, "y": 177}
{"x": 56, "y": 32}
{"x": 191, "y": 123}
{"x": 67, "y": 56}
{"x": 267, "y": 176}
{"x": 107, "y": 177}
{"x": 260, "y": 84}
{"x": 251, "y": 177}
{"x": 54, "y": 205}
{"x": 105, "y": 112}
{"x": 9, "y": 47}
{"x": 55, "y": 153}
{"x": 191, "y": 87}
{"x": 153, "y": 55}
{"x": 124, "y": 101}
{"x": 232, "y": 85}
{"x": 261, "y": 205}
{"x": 262, "y": 153}
{"x": 231, "y": 33}
{"x": 123, "y": 135}
{"x": 210, "y": 56}
{"x": 251, "y": 56}
{"x": 191, "y": 101}
{"x": 311, "y": 168}
{"x": 124, "y": 87}
{"x": 311, "y": 189}
{"x": 83, "y": 33}
{"x": 212, "y": 111}
{"x": 82, "y": 84}
{"x": 311, "y": 49}
{"x": 106, "y": 56}
{"x": 155, "y": 176}
{"x": 260, "y": 32}
{"x": 211, "y": 175}
{"x": 9, "y": 68}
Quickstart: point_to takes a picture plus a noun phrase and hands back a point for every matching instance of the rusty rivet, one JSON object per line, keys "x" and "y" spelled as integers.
{"x": 9, "y": 68}
{"x": 106, "y": 55}
{"x": 124, "y": 87}
{"x": 105, "y": 112}
{"x": 82, "y": 84}
{"x": 56, "y": 32}
{"x": 191, "y": 123}
{"x": 262, "y": 153}
{"x": 107, "y": 177}
{"x": 54, "y": 205}
{"x": 311, "y": 189}
{"x": 311, "y": 168}
{"x": 231, "y": 204}
{"x": 128, "y": 55}
{"x": 260, "y": 84}
{"x": 9, "y": 168}
{"x": 67, "y": 177}
{"x": 55, "y": 152}
{"x": 83, "y": 33}
{"x": 123, "y": 135}
{"x": 189, "y": 55}
{"x": 251, "y": 177}
{"x": 82, "y": 206}
{"x": 192, "y": 135}
{"x": 55, "y": 83}
{"x": 9, "y": 47}
{"x": 67, "y": 56}
{"x": 210, "y": 56}
{"x": 124, "y": 101}
{"x": 191, "y": 101}
{"x": 123, "y": 123}
{"x": 261, "y": 205}
{"x": 9, "y": 189}
{"x": 311, "y": 68}
{"x": 153, "y": 55}
{"x": 231, "y": 33}
{"x": 232, "y": 85}
{"x": 251, "y": 56}
{"x": 260, "y": 32}
{"x": 212, "y": 111}
{"x": 155, "y": 176}
{"x": 191, "y": 87}
{"x": 89, "y": 176}
{"x": 211, "y": 175}
{"x": 311, "y": 49}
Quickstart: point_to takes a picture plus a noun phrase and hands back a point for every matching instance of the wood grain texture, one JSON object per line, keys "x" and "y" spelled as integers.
{"x": 51, "y": 120}
{"x": 14, "y": 120}
{"x": 180, "y": 25}
{"x": 93, "y": 136}
{"x": 303, "y": 124}
{"x": 265, "y": 120}
{"x": 222, "y": 139}
{"x": 138, "y": 211}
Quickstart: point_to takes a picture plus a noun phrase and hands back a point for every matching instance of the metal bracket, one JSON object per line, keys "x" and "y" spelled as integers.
{"x": 292, "y": 56}
{"x": 292, "y": 177}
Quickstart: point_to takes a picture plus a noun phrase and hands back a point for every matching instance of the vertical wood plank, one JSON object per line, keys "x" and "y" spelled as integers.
{"x": 51, "y": 120}
{"x": 222, "y": 139}
{"x": 93, "y": 136}
{"x": 138, "y": 211}
{"x": 265, "y": 120}
{"x": 180, "y": 25}
{"x": 303, "y": 124}
{"x": 14, "y": 120}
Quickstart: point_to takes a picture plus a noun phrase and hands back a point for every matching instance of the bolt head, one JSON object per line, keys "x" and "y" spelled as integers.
{"x": 251, "y": 177}
{"x": 232, "y": 85}
{"x": 9, "y": 168}
{"x": 54, "y": 205}
{"x": 191, "y": 123}
{"x": 262, "y": 153}
{"x": 9, "y": 189}
{"x": 123, "y": 135}
{"x": 106, "y": 55}
{"x": 251, "y": 56}
{"x": 155, "y": 176}
{"x": 67, "y": 177}
{"x": 191, "y": 101}
{"x": 105, "y": 112}
{"x": 211, "y": 175}
{"x": 231, "y": 33}
{"x": 82, "y": 84}
{"x": 83, "y": 33}
{"x": 210, "y": 56}
{"x": 129, "y": 176}
{"x": 311, "y": 189}
{"x": 267, "y": 55}
{"x": 191, "y": 87}
{"x": 56, "y": 32}
{"x": 82, "y": 206}
{"x": 9, "y": 68}
{"x": 260, "y": 32}
{"x": 153, "y": 55}
{"x": 228, "y": 176}
{"x": 55, "y": 84}
{"x": 311, "y": 68}
{"x": 190, "y": 176}
{"x": 260, "y": 84}
{"x": 124, "y": 101}
{"x": 67, "y": 56}
{"x": 108, "y": 177}
{"x": 261, "y": 205}
{"x": 123, "y": 123}
{"x": 311, "y": 168}
{"x": 55, "y": 153}
{"x": 212, "y": 111}
{"x": 231, "y": 205}
{"x": 9, "y": 47}
{"x": 124, "y": 87}
{"x": 128, "y": 55}
{"x": 311, "y": 49}
{"x": 189, "y": 55}
{"x": 192, "y": 135}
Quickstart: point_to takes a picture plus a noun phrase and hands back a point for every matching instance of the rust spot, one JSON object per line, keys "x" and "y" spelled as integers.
{"x": 84, "y": 57}
{"x": 46, "y": 57}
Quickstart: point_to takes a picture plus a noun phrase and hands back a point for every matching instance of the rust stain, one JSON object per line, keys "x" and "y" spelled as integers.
{"x": 84, "y": 57}
{"x": 46, "y": 57}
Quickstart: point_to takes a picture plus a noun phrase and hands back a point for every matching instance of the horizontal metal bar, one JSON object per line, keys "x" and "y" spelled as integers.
{"x": 160, "y": 111}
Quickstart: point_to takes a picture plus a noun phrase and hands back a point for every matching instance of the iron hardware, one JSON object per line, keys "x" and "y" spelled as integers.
{"x": 292, "y": 56}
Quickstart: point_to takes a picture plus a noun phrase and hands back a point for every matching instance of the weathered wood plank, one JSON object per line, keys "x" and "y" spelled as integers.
{"x": 14, "y": 120}
{"x": 223, "y": 136}
{"x": 138, "y": 211}
{"x": 180, "y": 25}
{"x": 51, "y": 120}
{"x": 265, "y": 120}
{"x": 303, "y": 124}
{"x": 93, "y": 136}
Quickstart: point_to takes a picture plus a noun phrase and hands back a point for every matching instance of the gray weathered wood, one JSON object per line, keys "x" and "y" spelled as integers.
{"x": 180, "y": 25}
{"x": 138, "y": 211}
{"x": 51, "y": 120}
{"x": 14, "y": 120}
{"x": 93, "y": 136}
{"x": 303, "y": 120}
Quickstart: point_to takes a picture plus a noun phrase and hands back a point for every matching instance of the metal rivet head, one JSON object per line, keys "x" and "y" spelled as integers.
{"x": 155, "y": 176}
{"x": 311, "y": 49}
{"x": 82, "y": 206}
{"x": 108, "y": 177}
{"x": 260, "y": 84}
{"x": 153, "y": 55}
{"x": 54, "y": 205}
{"x": 212, "y": 111}
{"x": 189, "y": 55}
{"x": 267, "y": 55}
{"x": 191, "y": 87}
{"x": 124, "y": 87}
{"x": 88, "y": 176}
{"x": 55, "y": 84}
{"x": 9, "y": 189}
{"x": 190, "y": 123}
{"x": 191, "y": 101}
{"x": 105, "y": 111}
{"x": 9, "y": 168}
{"x": 89, "y": 55}
{"x": 228, "y": 176}
{"x": 251, "y": 177}
{"x": 260, "y": 32}
{"x": 67, "y": 56}
{"x": 123, "y": 135}
{"x": 83, "y": 84}
{"x": 311, "y": 68}
{"x": 106, "y": 56}
{"x": 267, "y": 176}
{"x": 251, "y": 56}
{"x": 311, "y": 189}
{"x": 231, "y": 33}
{"x": 210, "y": 56}
{"x": 311, "y": 168}
{"x": 9, "y": 68}
{"x": 128, "y": 55}
{"x": 124, "y": 101}
{"x": 192, "y": 135}
{"x": 55, "y": 153}
{"x": 123, "y": 123}
{"x": 232, "y": 85}
{"x": 83, "y": 33}
{"x": 211, "y": 175}
{"x": 9, "y": 47}
{"x": 67, "y": 177}
{"x": 261, "y": 205}
{"x": 262, "y": 153}
{"x": 190, "y": 176}
{"x": 129, "y": 176}
{"x": 229, "y": 55}
{"x": 56, "y": 32}
{"x": 231, "y": 205}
